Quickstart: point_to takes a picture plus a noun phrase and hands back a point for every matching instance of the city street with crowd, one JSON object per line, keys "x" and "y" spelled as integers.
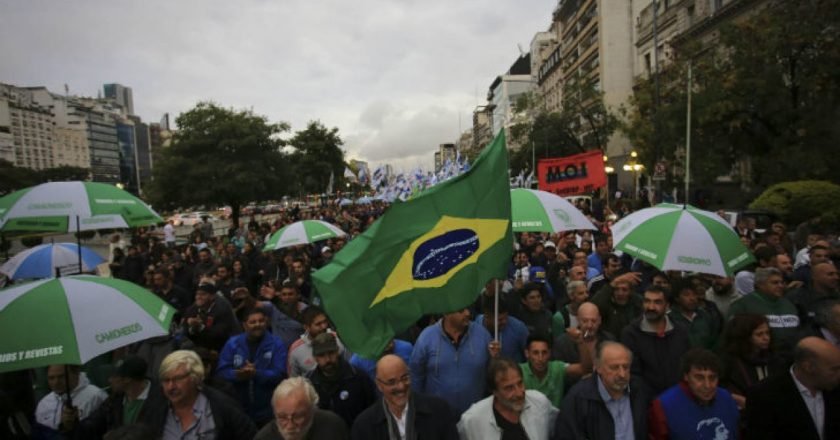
{"x": 592, "y": 343}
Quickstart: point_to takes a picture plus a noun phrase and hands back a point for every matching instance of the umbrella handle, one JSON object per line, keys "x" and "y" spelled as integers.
{"x": 67, "y": 385}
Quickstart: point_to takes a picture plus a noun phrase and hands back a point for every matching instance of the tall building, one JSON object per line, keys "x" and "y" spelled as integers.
{"x": 122, "y": 95}
{"x": 142, "y": 137}
{"x": 506, "y": 90}
{"x": 596, "y": 37}
{"x": 129, "y": 176}
{"x": 160, "y": 137}
{"x": 31, "y": 128}
{"x": 679, "y": 21}
{"x": 7, "y": 141}
{"x": 445, "y": 152}
{"x": 545, "y": 67}
{"x": 70, "y": 141}
{"x": 482, "y": 128}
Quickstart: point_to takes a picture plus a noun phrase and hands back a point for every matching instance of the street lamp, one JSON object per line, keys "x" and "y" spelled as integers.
{"x": 635, "y": 168}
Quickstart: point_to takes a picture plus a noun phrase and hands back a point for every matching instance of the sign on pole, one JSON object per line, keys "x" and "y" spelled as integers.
{"x": 572, "y": 175}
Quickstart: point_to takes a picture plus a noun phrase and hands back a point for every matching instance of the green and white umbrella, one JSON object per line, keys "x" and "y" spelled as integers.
{"x": 71, "y": 320}
{"x": 302, "y": 232}
{"x": 55, "y": 207}
{"x": 541, "y": 211}
{"x": 677, "y": 237}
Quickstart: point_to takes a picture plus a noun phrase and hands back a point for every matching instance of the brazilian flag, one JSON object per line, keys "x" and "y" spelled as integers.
{"x": 430, "y": 254}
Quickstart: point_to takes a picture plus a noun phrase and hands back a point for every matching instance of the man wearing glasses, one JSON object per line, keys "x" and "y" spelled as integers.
{"x": 297, "y": 417}
{"x": 402, "y": 414}
{"x": 195, "y": 412}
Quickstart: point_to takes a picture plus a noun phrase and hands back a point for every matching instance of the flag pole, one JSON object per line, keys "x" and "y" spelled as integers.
{"x": 496, "y": 312}
{"x": 79, "y": 243}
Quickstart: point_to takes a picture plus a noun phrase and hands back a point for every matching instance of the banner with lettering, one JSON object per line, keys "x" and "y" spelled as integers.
{"x": 572, "y": 175}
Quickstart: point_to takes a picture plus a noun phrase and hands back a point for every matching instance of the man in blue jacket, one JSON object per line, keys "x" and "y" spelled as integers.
{"x": 449, "y": 360}
{"x": 255, "y": 363}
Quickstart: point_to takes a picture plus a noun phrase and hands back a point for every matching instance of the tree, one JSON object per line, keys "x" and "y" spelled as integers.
{"x": 317, "y": 154}
{"x": 584, "y": 123}
{"x": 13, "y": 178}
{"x": 221, "y": 156}
{"x": 769, "y": 91}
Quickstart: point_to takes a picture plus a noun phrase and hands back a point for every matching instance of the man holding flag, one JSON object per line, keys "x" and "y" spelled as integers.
{"x": 430, "y": 255}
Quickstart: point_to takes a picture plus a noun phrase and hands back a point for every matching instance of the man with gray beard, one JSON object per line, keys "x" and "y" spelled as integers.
{"x": 297, "y": 417}
{"x": 512, "y": 412}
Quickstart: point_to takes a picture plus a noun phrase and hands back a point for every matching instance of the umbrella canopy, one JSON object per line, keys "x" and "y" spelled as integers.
{"x": 54, "y": 207}
{"x": 677, "y": 237}
{"x": 541, "y": 211}
{"x": 71, "y": 320}
{"x": 302, "y": 232}
{"x": 365, "y": 200}
{"x": 345, "y": 202}
{"x": 42, "y": 261}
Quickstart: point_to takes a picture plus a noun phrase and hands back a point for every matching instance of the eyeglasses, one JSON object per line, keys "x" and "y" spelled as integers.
{"x": 173, "y": 379}
{"x": 296, "y": 418}
{"x": 404, "y": 379}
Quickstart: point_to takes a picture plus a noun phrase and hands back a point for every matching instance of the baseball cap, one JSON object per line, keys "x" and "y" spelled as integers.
{"x": 537, "y": 274}
{"x": 549, "y": 244}
{"x": 132, "y": 367}
{"x": 326, "y": 249}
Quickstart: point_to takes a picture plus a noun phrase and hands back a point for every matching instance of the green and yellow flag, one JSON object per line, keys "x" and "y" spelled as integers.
{"x": 431, "y": 254}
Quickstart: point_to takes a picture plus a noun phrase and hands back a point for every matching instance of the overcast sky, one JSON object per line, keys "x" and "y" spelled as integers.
{"x": 396, "y": 77}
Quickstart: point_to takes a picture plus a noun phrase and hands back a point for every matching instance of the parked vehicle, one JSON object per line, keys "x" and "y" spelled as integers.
{"x": 191, "y": 218}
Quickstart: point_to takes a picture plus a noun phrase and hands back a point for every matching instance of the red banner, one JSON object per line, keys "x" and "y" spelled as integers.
{"x": 572, "y": 175}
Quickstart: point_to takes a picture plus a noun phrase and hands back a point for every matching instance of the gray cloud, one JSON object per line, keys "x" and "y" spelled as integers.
{"x": 392, "y": 75}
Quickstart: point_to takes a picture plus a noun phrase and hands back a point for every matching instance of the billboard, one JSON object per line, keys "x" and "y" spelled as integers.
{"x": 572, "y": 175}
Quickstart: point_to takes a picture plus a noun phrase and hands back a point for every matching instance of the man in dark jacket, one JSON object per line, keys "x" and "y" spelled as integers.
{"x": 657, "y": 343}
{"x": 428, "y": 417}
{"x": 297, "y": 416}
{"x": 787, "y": 405}
{"x": 607, "y": 402}
{"x": 131, "y": 402}
{"x": 210, "y": 321}
{"x": 192, "y": 409}
{"x": 618, "y": 304}
{"x": 175, "y": 295}
{"x": 341, "y": 388}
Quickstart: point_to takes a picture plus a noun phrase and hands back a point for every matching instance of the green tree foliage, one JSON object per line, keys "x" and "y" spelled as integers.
{"x": 583, "y": 124}
{"x": 769, "y": 91}
{"x": 317, "y": 153}
{"x": 221, "y": 156}
{"x": 796, "y": 202}
{"x": 13, "y": 178}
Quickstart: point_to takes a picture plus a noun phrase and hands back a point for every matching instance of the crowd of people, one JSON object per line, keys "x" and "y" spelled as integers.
{"x": 592, "y": 343}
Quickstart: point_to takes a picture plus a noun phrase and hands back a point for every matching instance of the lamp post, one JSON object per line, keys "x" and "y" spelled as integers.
{"x": 609, "y": 170}
{"x": 635, "y": 167}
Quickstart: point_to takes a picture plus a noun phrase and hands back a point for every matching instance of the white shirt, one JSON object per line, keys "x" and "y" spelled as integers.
{"x": 802, "y": 257}
{"x": 814, "y": 403}
{"x": 169, "y": 233}
{"x": 86, "y": 397}
{"x": 401, "y": 421}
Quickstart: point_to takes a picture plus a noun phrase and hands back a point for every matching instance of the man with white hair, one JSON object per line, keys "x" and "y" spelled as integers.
{"x": 297, "y": 417}
{"x": 194, "y": 411}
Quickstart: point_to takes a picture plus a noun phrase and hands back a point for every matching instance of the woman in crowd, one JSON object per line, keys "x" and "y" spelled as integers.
{"x": 748, "y": 356}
